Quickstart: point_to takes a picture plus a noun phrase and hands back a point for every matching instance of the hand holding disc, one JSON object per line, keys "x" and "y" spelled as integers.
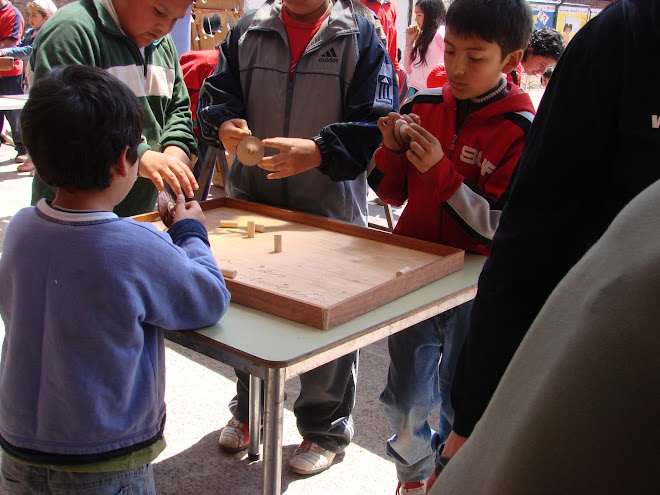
{"x": 250, "y": 151}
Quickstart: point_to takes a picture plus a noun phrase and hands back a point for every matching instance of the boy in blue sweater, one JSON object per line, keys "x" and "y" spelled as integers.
{"x": 85, "y": 303}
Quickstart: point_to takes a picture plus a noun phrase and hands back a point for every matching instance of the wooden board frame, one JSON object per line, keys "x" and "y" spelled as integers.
{"x": 326, "y": 317}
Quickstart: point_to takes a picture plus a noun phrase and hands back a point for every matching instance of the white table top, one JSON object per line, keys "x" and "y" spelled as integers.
{"x": 12, "y": 102}
{"x": 277, "y": 342}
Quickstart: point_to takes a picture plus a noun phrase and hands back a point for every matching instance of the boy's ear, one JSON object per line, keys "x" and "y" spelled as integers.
{"x": 512, "y": 60}
{"x": 121, "y": 165}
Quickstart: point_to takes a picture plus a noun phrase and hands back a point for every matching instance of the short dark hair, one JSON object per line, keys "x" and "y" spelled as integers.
{"x": 76, "y": 123}
{"x": 547, "y": 42}
{"x": 508, "y": 23}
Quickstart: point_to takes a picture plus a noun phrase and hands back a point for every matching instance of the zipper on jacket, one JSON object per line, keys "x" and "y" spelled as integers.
{"x": 287, "y": 123}
{"x": 452, "y": 146}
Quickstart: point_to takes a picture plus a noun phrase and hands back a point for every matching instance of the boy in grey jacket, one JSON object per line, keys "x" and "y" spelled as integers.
{"x": 309, "y": 79}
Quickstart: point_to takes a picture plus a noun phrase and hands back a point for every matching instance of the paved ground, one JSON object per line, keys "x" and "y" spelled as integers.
{"x": 199, "y": 388}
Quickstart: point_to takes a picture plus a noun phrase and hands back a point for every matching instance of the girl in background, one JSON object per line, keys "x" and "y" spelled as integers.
{"x": 38, "y": 13}
{"x": 425, "y": 43}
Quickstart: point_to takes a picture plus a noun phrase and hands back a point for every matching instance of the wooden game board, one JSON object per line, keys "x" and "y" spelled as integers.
{"x": 327, "y": 273}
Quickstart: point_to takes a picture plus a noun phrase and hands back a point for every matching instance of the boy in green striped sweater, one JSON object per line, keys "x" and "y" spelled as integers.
{"x": 130, "y": 40}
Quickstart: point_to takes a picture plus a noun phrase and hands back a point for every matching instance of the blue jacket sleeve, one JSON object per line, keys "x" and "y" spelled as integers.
{"x": 347, "y": 147}
{"x": 221, "y": 96}
{"x": 23, "y": 49}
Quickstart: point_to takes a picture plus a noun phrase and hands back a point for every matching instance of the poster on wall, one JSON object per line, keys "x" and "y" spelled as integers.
{"x": 544, "y": 14}
{"x": 570, "y": 19}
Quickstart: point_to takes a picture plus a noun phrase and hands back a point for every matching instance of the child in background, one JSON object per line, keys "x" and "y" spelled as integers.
{"x": 425, "y": 44}
{"x": 82, "y": 375}
{"x": 467, "y": 138}
{"x": 38, "y": 12}
{"x": 545, "y": 48}
{"x": 130, "y": 40}
{"x": 11, "y": 29}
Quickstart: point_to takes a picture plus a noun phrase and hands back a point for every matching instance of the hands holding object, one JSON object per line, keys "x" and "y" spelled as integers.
{"x": 296, "y": 155}
{"x": 250, "y": 151}
{"x": 172, "y": 211}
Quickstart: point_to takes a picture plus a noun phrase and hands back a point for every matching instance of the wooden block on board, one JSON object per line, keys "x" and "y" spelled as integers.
{"x": 403, "y": 271}
{"x": 229, "y": 272}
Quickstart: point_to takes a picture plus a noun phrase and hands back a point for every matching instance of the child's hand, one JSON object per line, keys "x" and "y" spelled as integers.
{"x": 386, "y": 126}
{"x": 231, "y": 132}
{"x": 425, "y": 150}
{"x": 412, "y": 32}
{"x": 187, "y": 210}
{"x": 164, "y": 167}
{"x": 296, "y": 155}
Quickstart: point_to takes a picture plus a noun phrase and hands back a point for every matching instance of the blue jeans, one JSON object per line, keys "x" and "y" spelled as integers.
{"x": 418, "y": 381}
{"x": 11, "y": 85}
{"x": 21, "y": 479}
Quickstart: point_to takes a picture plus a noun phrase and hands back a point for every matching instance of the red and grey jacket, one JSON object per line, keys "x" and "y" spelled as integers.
{"x": 459, "y": 201}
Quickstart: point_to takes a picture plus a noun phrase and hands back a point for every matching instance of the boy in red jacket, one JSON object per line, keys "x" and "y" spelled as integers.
{"x": 466, "y": 139}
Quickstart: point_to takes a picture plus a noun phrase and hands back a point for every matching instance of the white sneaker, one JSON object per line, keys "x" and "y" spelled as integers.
{"x": 310, "y": 458}
{"x": 411, "y": 488}
{"x": 235, "y": 436}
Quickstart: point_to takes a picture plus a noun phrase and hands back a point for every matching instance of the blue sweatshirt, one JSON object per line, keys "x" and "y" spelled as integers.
{"x": 85, "y": 297}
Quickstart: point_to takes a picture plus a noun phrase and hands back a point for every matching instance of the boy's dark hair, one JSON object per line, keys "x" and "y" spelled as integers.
{"x": 547, "y": 42}
{"x": 508, "y": 23}
{"x": 76, "y": 123}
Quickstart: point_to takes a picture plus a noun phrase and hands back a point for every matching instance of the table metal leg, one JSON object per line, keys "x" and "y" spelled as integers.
{"x": 255, "y": 417}
{"x": 274, "y": 403}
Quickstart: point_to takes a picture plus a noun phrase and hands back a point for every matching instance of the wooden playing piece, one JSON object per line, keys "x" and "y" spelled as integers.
{"x": 250, "y": 151}
{"x": 401, "y": 133}
{"x": 403, "y": 271}
{"x": 229, "y": 273}
{"x": 228, "y": 224}
{"x": 250, "y": 228}
{"x": 277, "y": 243}
{"x": 260, "y": 228}
{"x": 166, "y": 207}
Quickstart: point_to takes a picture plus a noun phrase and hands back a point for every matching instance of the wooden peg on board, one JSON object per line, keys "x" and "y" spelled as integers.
{"x": 229, "y": 272}
{"x": 250, "y": 228}
{"x": 277, "y": 243}
{"x": 403, "y": 271}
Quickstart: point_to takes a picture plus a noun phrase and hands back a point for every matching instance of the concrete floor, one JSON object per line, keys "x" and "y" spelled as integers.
{"x": 198, "y": 390}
